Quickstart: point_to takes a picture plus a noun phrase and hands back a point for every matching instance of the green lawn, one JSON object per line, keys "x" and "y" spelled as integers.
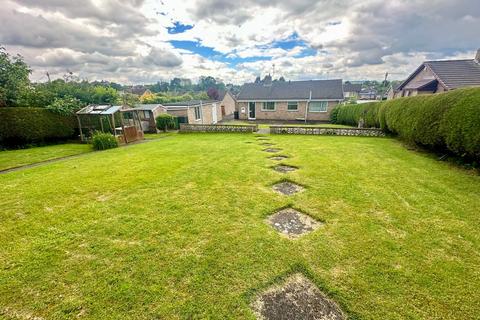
{"x": 263, "y": 125}
{"x": 175, "y": 229}
{"x": 17, "y": 158}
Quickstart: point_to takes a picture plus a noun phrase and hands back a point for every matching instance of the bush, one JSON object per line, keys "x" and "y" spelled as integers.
{"x": 22, "y": 126}
{"x": 166, "y": 121}
{"x": 448, "y": 121}
{"x": 103, "y": 141}
{"x": 333, "y": 115}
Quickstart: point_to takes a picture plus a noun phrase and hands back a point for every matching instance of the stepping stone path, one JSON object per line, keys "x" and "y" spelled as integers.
{"x": 283, "y": 168}
{"x": 296, "y": 299}
{"x": 278, "y": 158}
{"x": 272, "y": 150}
{"x": 287, "y": 188}
{"x": 292, "y": 223}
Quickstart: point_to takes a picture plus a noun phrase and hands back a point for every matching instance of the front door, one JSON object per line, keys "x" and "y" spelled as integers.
{"x": 251, "y": 110}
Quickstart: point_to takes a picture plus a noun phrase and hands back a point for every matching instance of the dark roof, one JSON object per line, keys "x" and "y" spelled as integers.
{"x": 452, "y": 74}
{"x": 221, "y": 94}
{"x": 352, "y": 87}
{"x": 291, "y": 90}
{"x": 189, "y": 103}
{"x": 456, "y": 73}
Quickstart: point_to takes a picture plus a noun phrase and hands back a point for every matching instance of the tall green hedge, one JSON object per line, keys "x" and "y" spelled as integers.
{"x": 449, "y": 120}
{"x": 20, "y": 126}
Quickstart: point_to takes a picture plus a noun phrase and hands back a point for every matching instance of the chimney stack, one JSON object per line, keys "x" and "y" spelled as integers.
{"x": 477, "y": 57}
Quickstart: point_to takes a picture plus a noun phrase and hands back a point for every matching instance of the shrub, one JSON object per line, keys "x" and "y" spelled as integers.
{"x": 447, "y": 121}
{"x": 22, "y": 126}
{"x": 166, "y": 121}
{"x": 103, "y": 141}
{"x": 333, "y": 115}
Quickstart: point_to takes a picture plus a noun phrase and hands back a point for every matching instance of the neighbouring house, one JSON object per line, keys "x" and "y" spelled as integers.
{"x": 227, "y": 104}
{"x": 311, "y": 100}
{"x": 195, "y": 111}
{"x": 148, "y": 114}
{"x": 351, "y": 90}
{"x": 368, "y": 94}
{"x": 392, "y": 91}
{"x": 442, "y": 75}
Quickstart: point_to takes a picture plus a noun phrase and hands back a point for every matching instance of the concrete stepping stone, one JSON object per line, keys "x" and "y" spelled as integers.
{"x": 272, "y": 150}
{"x": 283, "y": 168}
{"x": 267, "y": 144}
{"x": 278, "y": 158}
{"x": 297, "y": 298}
{"x": 287, "y": 188}
{"x": 292, "y": 223}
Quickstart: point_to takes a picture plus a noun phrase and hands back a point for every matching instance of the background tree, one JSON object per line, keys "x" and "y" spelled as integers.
{"x": 213, "y": 93}
{"x": 14, "y": 80}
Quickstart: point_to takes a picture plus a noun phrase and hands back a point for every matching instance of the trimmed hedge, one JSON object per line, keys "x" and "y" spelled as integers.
{"x": 446, "y": 121}
{"x": 21, "y": 126}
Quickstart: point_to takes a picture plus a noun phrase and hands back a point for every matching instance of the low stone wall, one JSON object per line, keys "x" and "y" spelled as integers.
{"x": 217, "y": 128}
{"x": 363, "y": 132}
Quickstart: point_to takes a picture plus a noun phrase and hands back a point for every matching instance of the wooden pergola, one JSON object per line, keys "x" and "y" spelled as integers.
{"x": 125, "y": 125}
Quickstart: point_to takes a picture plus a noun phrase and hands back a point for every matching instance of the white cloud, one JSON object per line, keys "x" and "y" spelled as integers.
{"x": 127, "y": 40}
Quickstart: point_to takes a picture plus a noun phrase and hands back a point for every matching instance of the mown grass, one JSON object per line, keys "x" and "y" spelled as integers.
{"x": 175, "y": 228}
{"x": 17, "y": 158}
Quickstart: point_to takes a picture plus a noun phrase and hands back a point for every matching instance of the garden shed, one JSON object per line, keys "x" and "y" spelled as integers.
{"x": 120, "y": 121}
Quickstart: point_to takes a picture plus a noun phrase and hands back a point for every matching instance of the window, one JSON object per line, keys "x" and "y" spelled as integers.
{"x": 146, "y": 114}
{"x": 318, "y": 106}
{"x": 197, "y": 113}
{"x": 292, "y": 106}
{"x": 268, "y": 106}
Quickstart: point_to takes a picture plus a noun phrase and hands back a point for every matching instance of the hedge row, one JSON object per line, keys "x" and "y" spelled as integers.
{"x": 21, "y": 126}
{"x": 441, "y": 121}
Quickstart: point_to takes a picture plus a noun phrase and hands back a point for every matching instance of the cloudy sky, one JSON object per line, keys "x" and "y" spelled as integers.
{"x": 144, "y": 41}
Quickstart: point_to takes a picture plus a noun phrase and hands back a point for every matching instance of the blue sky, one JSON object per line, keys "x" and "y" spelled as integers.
{"x": 230, "y": 58}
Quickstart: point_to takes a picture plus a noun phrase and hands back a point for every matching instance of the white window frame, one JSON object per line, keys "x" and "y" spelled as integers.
{"x": 323, "y": 102}
{"x": 292, "y": 103}
{"x": 146, "y": 114}
{"x": 196, "y": 110}
{"x": 269, "y": 110}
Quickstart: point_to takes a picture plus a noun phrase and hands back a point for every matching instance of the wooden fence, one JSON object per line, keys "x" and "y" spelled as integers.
{"x": 359, "y": 132}
{"x": 217, "y": 128}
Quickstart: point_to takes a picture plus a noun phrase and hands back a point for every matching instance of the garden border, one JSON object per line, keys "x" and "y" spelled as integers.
{"x": 305, "y": 130}
{"x": 217, "y": 128}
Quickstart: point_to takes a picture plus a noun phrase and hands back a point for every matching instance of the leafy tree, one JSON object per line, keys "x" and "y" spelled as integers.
{"x": 213, "y": 93}
{"x": 104, "y": 95}
{"x": 258, "y": 79}
{"x": 14, "y": 80}
{"x": 65, "y": 105}
{"x": 129, "y": 99}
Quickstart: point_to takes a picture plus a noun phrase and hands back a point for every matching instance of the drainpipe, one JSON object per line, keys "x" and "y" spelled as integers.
{"x": 307, "y": 106}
